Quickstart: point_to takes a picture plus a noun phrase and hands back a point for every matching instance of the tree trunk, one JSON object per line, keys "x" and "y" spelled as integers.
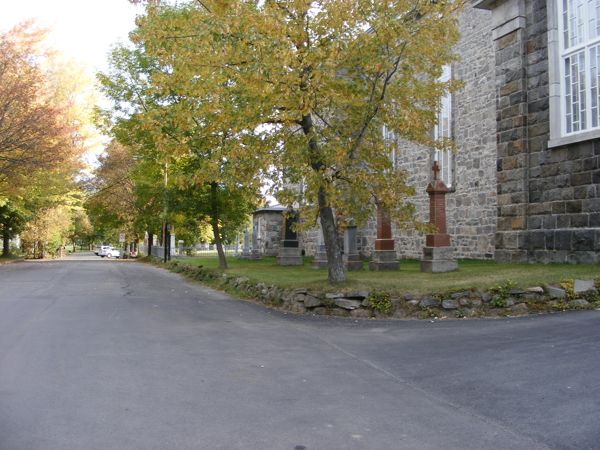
{"x": 6, "y": 244}
{"x": 214, "y": 219}
{"x": 150, "y": 242}
{"x": 335, "y": 262}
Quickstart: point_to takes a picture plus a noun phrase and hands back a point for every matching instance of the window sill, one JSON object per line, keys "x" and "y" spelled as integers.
{"x": 574, "y": 138}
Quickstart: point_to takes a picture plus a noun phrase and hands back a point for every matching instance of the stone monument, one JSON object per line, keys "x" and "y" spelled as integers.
{"x": 255, "y": 253}
{"x": 289, "y": 253}
{"x": 438, "y": 255}
{"x": 246, "y": 254}
{"x": 320, "y": 260}
{"x": 352, "y": 259}
{"x": 384, "y": 256}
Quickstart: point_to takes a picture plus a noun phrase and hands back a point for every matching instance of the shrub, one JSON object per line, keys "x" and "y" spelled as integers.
{"x": 427, "y": 313}
{"x": 568, "y": 284}
{"x": 380, "y": 301}
{"x": 500, "y": 293}
{"x": 560, "y": 306}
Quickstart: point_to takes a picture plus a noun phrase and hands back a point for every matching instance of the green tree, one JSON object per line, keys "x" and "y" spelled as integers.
{"x": 320, "y": 78}
{"x": 168, "y": 126}
{"x": 12, "y": 220}
{"x": 81, "y": 232}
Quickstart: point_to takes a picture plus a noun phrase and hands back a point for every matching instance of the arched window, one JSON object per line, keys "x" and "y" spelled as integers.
{"x": 443, "y": 130}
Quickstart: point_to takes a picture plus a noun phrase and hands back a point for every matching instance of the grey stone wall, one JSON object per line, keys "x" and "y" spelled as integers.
{"x": 267, "y": 224}
{"x": 471, "y": 209}
{"x": 548, "y": 198}
{"x": 471, "y": 206}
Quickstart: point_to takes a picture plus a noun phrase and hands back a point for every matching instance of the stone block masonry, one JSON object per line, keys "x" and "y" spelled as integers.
{"x": 548, "y": 198}
{"x": 471, "y": 205}
{"x": 266, "y": 229}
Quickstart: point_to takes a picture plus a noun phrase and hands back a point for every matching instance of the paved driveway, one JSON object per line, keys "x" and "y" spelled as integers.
{"x": 115, "y": 354}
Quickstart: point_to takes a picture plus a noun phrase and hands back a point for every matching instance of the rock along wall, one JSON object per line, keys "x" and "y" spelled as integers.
{"x": 500, "y": 301}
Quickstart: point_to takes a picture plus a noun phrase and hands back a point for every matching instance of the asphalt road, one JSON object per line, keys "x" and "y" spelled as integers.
{"x": 118, "y": 355}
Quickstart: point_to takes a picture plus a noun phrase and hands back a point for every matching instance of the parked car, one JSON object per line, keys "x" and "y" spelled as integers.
{"x": 102, "y": 250}
{"x": 113, "y": 253}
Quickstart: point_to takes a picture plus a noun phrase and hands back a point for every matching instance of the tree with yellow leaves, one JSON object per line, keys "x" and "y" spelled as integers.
{"x": 45, "y": 112}
{"x": 319, "y": 79}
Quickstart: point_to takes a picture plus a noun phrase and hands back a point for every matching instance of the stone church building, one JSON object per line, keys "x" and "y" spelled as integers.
{"x": 525, "y": 180}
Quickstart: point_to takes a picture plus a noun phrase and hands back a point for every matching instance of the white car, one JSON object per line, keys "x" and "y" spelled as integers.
{"x": 102, "y": 250}
{"x": 113, "y": 253}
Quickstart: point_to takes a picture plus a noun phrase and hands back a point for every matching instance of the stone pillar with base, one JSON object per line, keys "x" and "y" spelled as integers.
{"x": 246, "y": 254}
{"x": 255, "y": 253}
{"x": 173, "y": 243}
{"x": 352, "y": 259}
{"x": 289, "y": 253}
{"x": 384, "y": 256}
{"x": 320, "y": 259}
{"x": 438, "y": 255}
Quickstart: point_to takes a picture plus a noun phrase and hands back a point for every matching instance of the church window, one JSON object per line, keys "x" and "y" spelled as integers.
{"x": 390, "y": 140}
{"x": 443, "y": 130}
{"x": 579, "y": 46}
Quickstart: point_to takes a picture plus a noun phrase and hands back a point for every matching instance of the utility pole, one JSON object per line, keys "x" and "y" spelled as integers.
{"x": 166, "y": 232}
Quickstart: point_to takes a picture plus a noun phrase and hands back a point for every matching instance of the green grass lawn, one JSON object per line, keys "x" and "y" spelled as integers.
{"x": 471, "y": 274}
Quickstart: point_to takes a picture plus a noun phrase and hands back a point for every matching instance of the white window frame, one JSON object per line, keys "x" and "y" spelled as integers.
{"x": 557, "y": 54}
{"x": 390, "y": 140}
{"x": 445, "y": 158}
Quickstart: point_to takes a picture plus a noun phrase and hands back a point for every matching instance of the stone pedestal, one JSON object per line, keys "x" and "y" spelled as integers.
{"x": 438, "y": 260}
{"x": 320, "y": 259}
{"x": 289, "y": 253}
{"x": 289, "y": 256}
{"x": 254, "y": 253}
{"x": 246, "y": 253}
{"x": 438, "y": 255}
{"x": 384, "y": 260}
{"x": 384, "y": 256}
{"x": 352, "y": 259}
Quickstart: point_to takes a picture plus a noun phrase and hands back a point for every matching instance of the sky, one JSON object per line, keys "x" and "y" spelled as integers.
{"x": 81, "y": 29}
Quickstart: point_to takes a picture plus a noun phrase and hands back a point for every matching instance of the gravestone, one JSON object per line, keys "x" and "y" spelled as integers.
{"x": 289, "y": 253}
{"x": 246, "y": 253}
{"x": 438, "y": 255}
{"x": 255, "y": 253}
{"x": 320, "y": 260}
{"x": 384, "y": 256}
{"x": 352, "y": 259}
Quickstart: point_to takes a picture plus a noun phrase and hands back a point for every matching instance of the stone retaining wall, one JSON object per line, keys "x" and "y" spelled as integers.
{"x": 500, "y": 301}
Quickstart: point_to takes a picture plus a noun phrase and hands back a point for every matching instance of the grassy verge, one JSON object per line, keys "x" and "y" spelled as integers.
{"x": 9, "y": 259}
{"x": 471, "y": 274}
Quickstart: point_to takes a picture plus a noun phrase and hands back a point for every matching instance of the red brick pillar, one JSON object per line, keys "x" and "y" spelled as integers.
{"x": 437, "y": 253}
{"x": 437, "y": 191}
{"x": 384, "y": 255}
{"x": 384, "y": 239}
